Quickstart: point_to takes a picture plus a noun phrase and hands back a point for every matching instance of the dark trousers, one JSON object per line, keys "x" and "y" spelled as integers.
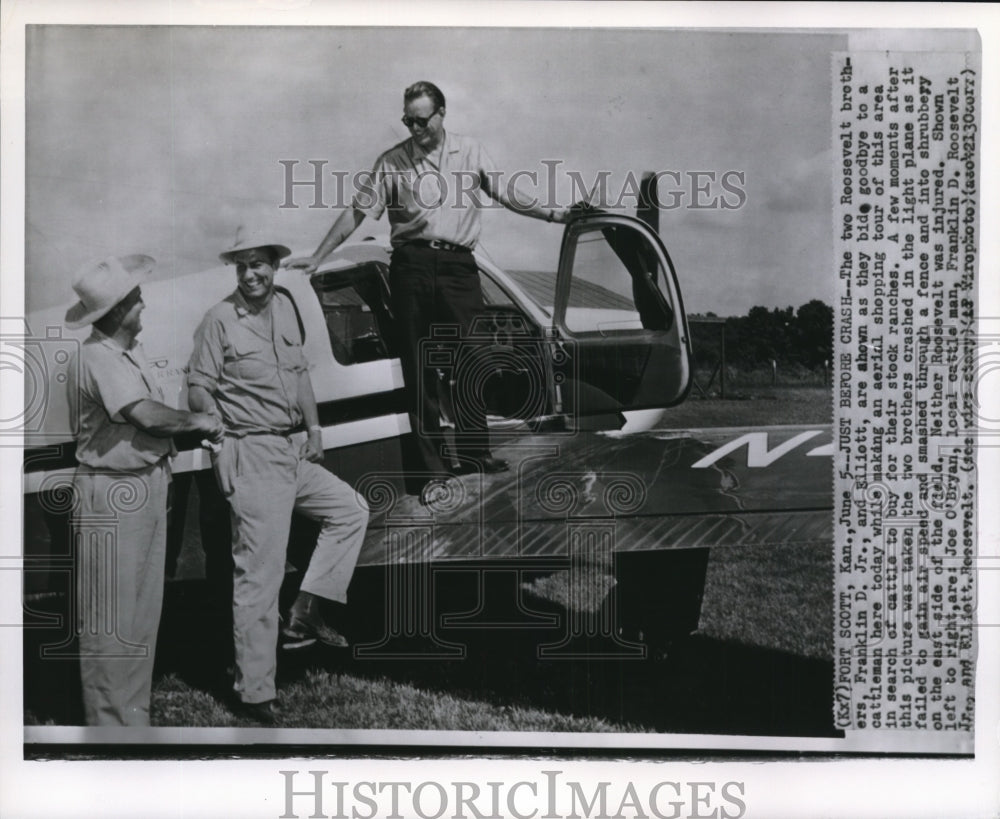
{"x": 435, "y": 297}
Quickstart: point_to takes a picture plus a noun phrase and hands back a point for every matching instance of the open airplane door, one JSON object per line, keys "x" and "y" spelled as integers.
{"x": 619, "y": 318}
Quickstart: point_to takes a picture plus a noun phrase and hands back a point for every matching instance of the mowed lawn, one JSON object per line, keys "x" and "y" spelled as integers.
{"x": 754, "y": 407}
{"x": 776, "y": 598}
{"x": 759, "y": 663}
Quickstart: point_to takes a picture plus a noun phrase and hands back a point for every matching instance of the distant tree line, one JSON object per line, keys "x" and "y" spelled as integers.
{"x": 792, "y": 338}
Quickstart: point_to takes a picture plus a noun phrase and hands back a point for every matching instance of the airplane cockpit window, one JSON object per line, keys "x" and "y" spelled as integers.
{"x": 357, "y": 311}
{"x": 617, "y": 302}
{"x": 615, "y": 284}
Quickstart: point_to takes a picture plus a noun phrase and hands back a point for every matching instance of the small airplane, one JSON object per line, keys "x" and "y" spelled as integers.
{"x": 576, "y": 370}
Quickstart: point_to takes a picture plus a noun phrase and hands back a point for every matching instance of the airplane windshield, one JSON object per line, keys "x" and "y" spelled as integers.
{"x": 358, "y": 316}
{"x": 616, "y": 274}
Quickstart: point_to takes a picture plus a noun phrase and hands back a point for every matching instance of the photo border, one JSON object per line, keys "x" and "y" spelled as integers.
{"x": 878, "y": 786}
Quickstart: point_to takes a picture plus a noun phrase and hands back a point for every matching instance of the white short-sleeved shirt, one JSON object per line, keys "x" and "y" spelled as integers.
{"x": 431, "y": 195}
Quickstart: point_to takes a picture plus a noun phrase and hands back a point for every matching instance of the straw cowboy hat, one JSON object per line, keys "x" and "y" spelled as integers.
{"x": 249, "y": 240}
{"x": 101, "y": 285}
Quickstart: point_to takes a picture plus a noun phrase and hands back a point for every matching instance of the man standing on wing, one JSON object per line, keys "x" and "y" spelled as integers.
{"x": 248, "y": 367}
{"x": 123, "y": 449}
{"x": 428, "y": 183}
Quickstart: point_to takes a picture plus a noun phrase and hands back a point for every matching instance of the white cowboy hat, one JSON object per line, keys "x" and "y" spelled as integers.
{"x": 101, "y": 285}
{"x": 249, "y": 240}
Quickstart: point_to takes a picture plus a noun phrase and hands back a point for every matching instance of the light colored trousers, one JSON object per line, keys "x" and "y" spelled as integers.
{"x": 120, "y": 536}
{"x": 264, "y": 480}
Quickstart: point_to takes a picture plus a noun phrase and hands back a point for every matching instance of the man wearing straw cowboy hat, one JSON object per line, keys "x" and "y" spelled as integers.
{"x": 123, "y": 450}
{"x": 248, "y": 367}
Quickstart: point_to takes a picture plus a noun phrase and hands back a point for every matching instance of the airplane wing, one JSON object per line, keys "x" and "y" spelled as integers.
{"x": 644, "y": 491}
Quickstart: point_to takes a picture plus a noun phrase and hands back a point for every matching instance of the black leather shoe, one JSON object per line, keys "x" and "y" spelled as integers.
{"x": 490, "y": 465}
{"x": 305, "y": 624}
{"x": 301, "y": 633}
{"x": 262, "y": 713}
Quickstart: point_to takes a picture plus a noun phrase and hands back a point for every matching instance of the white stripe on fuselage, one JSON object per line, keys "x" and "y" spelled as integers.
{"x": 758, "y": 454}
{"x": 335, "y": 437}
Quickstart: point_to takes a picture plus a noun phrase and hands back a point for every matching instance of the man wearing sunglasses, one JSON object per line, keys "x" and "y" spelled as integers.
{"x": 430, "y": 184}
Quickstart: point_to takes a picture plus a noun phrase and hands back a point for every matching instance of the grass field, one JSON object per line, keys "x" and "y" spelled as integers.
{"x": 796, "y": 584}
{"x": 754, "y": 406}
{"x": 759, "y": 663}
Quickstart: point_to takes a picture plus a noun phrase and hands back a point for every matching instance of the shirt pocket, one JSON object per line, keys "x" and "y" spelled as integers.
{"x": 289, "y": 353}
{"x": 250, "y": 357}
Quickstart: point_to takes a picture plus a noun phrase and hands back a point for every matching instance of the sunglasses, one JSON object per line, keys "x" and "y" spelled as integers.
{"x": 420, "y": 122}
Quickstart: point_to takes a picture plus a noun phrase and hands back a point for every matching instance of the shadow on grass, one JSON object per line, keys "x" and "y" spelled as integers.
{"x": 704, "y": 685}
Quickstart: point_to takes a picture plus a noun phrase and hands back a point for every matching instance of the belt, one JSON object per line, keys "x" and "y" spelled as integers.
{"x": 281, "y": 433}
{"x": 439, "y": 244}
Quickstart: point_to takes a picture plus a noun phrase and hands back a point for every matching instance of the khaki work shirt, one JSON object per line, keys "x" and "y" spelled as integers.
{"x": 250, "y": 363}
{"x": 108, "y": 379}
{"x": 431, "y": 195}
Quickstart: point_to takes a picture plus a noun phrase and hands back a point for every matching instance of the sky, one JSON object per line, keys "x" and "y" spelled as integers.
{"x": 162, "y": 140}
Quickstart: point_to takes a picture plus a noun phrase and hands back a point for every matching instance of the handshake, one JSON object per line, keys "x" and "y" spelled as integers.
{"x": 210, "y": 426}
